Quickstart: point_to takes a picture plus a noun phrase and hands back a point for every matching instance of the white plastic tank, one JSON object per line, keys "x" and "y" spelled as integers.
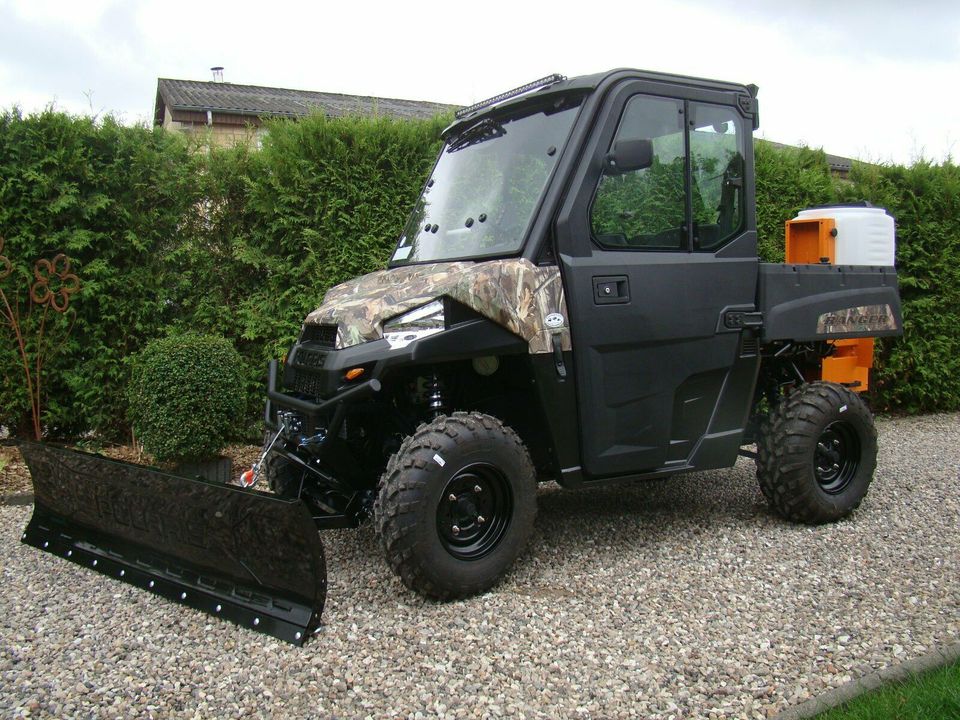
{"x": 865, "y": 234}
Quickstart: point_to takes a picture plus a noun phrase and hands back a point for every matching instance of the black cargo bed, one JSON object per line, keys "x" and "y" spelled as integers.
{"x": 823, "y": 302}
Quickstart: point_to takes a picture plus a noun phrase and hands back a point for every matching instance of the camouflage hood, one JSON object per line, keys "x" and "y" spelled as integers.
{"x": 515, "y": 294}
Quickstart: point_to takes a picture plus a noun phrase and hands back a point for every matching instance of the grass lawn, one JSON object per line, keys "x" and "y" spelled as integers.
{"x": 931, "y": 696}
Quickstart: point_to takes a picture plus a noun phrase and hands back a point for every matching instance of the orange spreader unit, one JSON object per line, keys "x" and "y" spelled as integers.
{"x": 850, "y": 363}
{"x": 814, "y": 242}
{"x": 811, "y": 241}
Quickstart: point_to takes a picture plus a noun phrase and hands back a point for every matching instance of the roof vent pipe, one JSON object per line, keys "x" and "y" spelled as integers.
{"x": 217, "y": 73}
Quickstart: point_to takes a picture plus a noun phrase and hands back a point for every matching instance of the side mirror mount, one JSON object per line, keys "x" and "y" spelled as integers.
{"x": 629, "y": 155}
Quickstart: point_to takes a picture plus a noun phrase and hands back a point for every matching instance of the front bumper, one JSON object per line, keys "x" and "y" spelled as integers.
{"x": 336, "y": 404}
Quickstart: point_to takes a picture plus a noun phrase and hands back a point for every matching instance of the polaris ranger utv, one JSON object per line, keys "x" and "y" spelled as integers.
{"x": 576, "y": 297}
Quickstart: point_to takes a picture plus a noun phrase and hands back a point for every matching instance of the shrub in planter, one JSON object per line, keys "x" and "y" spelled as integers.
{"x": 185, "y": 397}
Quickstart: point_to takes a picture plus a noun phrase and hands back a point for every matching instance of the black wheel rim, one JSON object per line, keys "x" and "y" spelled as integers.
{"x": 837, "y": 457}
{"x": 474, "y": 511}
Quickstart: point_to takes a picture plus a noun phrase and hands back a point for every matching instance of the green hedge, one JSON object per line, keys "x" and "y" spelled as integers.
{"x": 166, "y": 239}
{"x": 921, "y": 370}
{"x": 244, "y": 243}
{"x": 117, "y": 200}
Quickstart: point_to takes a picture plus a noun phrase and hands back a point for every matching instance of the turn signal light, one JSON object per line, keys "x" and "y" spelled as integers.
{"x": 353, "y": 373}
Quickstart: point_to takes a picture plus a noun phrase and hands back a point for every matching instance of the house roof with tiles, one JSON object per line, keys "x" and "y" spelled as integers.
{"x": 191, "y": 100}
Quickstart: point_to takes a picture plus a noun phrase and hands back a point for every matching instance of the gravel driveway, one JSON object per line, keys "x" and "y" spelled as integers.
{"x": 686, "y": 598}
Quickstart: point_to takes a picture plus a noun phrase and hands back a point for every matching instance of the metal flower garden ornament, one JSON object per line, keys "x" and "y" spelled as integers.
{"x": 53, "y": 285}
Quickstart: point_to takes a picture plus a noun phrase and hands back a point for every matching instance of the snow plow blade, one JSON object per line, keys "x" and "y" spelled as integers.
{"x": 250, "y": 557}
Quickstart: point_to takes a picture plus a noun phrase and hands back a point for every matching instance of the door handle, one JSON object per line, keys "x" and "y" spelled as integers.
{"x": 611, "y": 289}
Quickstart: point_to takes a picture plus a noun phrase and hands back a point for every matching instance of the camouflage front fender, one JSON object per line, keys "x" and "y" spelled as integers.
{"x": 514, "y": 293}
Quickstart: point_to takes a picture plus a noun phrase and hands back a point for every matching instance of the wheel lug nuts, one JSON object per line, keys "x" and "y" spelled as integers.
{"x": 455, "y": 529}
{"x": 477, "y": 488}
{"x": 481, "y": 520}
{"x": 836, "y": 466}
{"x": 452, "y": 497}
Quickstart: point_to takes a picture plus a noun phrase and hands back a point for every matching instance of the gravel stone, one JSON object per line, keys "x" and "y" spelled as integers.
{"x": 679, "y": 599}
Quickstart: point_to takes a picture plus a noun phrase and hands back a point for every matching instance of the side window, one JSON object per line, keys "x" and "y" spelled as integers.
{"x": 645, "y": 208}
{"x": 716, "y": 166}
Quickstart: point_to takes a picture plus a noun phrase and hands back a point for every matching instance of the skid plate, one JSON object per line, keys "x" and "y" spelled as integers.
{"x": 247, "y": 556}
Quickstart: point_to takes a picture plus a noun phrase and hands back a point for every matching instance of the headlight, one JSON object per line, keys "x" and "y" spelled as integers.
{"x": 419, "y": 323}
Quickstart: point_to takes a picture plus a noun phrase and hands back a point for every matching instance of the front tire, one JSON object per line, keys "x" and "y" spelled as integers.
{"x": 817, "y": 453}
{"x": 456, "y": 505}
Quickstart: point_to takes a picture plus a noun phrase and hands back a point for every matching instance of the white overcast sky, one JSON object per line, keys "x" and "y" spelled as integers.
{"x": 877, "y": 80}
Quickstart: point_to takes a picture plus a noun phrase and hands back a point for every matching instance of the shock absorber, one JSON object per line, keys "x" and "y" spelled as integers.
{"x": 434, "y": 395}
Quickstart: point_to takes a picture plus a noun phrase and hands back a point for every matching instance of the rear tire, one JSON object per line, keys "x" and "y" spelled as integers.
{"x": 456, "y": 505}
{"x": 816, "y": 454}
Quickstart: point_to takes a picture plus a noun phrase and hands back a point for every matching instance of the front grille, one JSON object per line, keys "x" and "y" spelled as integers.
{"x": 323, "y": 335}
{"x": 308, "y": 384}
{"x": 314, "y": 359}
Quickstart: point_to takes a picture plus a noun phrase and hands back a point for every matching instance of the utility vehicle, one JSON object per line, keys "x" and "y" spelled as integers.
{"x": 577, "y": 298}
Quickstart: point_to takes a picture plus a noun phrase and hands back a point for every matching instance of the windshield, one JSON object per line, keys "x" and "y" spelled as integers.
{"x": 486, "y": 185}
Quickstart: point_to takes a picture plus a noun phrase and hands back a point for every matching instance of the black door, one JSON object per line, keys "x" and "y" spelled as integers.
{"x": 652, "y": 259}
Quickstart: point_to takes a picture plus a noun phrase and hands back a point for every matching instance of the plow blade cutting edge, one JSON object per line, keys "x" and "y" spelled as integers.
{"x": 250, "y": 557}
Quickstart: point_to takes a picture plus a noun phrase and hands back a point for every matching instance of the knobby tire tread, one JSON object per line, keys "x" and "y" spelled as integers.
{"x": 785, "y": 450}
{"x": 399, "y": 495}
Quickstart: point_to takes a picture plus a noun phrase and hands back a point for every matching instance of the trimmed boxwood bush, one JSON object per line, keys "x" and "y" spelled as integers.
{"x": 186, "y": 396}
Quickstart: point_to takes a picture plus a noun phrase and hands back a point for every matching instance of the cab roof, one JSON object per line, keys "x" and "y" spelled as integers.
{"x": 585, "y": 84}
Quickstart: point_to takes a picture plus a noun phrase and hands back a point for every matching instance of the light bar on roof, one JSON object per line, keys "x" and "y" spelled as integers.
{"x": 548, "y": 80}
